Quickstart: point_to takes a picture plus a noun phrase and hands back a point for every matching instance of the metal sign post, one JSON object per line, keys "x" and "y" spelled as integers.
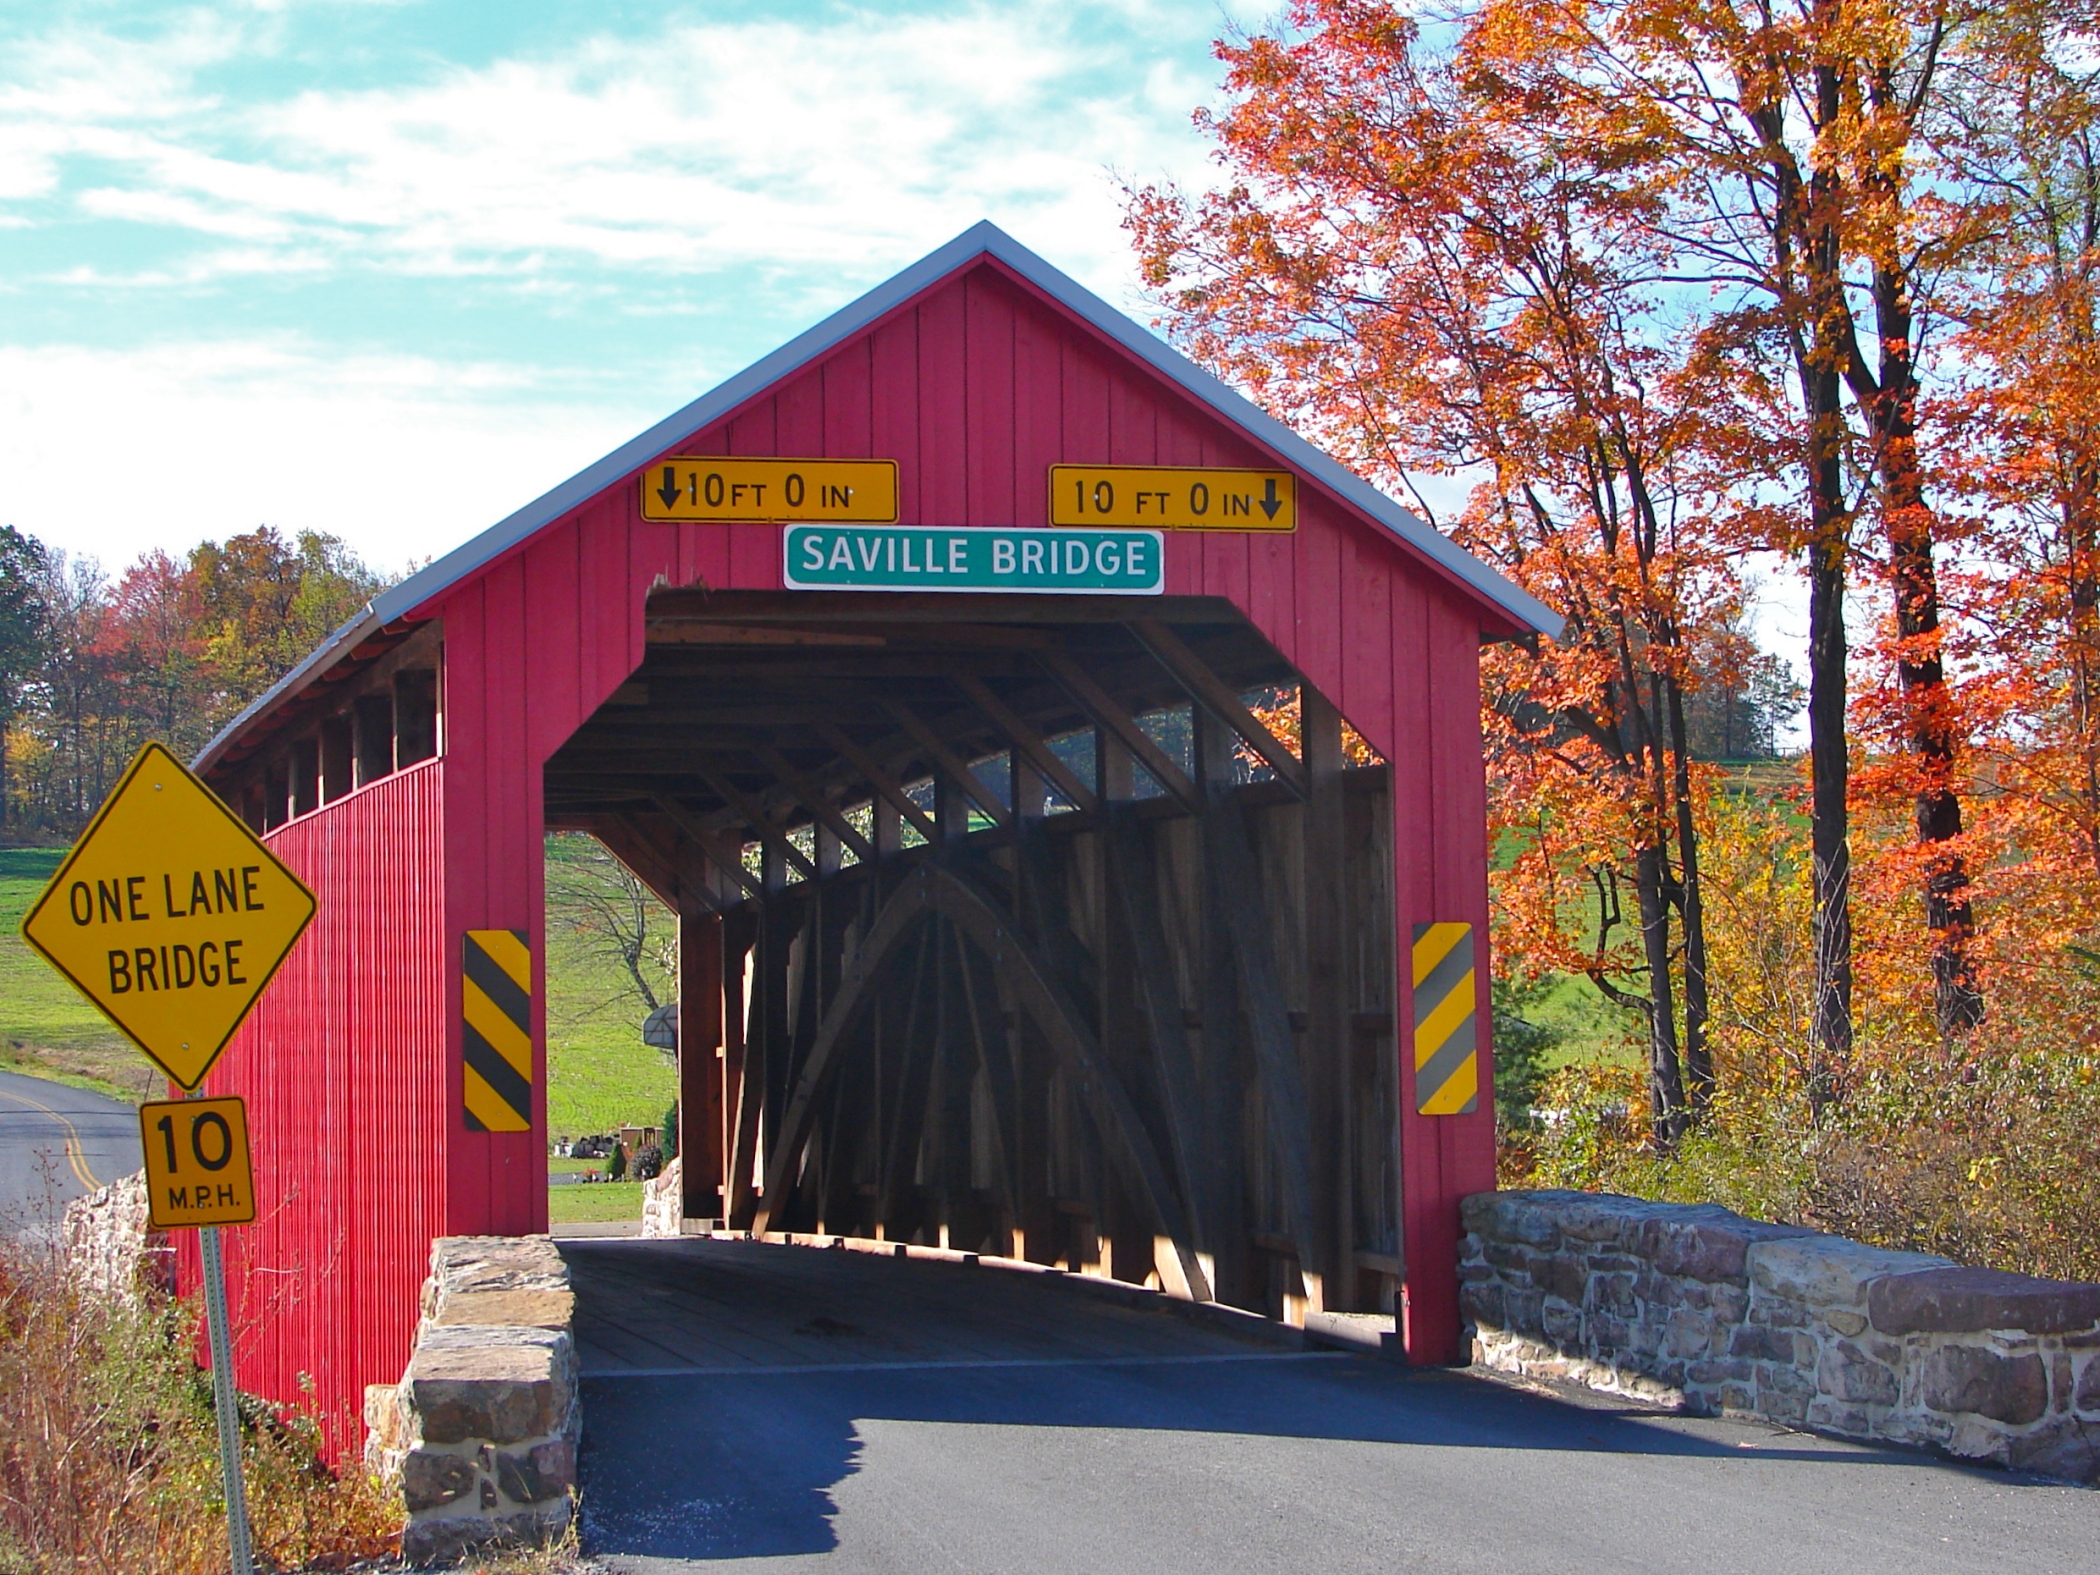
{"x": 199, "y": 1175}
{"x": 222, "y": 1400}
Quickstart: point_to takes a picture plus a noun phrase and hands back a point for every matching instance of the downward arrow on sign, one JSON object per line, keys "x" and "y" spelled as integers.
{"x": 1270, "y": 503}
{"x": 670, "y": 489}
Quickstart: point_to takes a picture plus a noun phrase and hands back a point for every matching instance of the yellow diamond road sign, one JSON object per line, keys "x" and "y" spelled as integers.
{"x": 170, "y": 915}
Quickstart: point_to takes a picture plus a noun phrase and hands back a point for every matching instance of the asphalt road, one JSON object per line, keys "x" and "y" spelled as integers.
{"x": 57, "y": 1142}
{"x": 1161, "y": 1449}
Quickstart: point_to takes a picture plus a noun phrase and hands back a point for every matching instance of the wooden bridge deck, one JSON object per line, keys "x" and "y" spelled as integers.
{"x": 698, "y": 1305}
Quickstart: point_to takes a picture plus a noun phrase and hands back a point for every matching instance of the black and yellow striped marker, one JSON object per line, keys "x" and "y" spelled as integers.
{"x": 1447, "y": 1050}
{"x": 495, "y": 995}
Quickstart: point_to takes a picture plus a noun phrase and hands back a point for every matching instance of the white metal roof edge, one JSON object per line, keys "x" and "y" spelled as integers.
{"x": 981, "y": 238}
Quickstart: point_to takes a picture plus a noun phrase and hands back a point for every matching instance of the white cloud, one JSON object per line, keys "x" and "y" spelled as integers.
{"x": 699, "y": 148}
{"x": 112, "y": 452}
{"x": 787, "y": 164}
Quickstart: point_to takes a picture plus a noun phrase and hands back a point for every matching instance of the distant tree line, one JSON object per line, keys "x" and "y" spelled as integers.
{"x": 92, "y": 666}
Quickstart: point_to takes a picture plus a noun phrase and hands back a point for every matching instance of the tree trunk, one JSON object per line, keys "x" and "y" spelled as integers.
{"x": 1830, "y": 833}
{"x": 1830, "y": 1050}
{"x": 1929, "y": 721}
{"x": 1665, "y": 1083}
{"x": 2082, "y": 552}
{"x": 1691, "y": 909}
{"x": 1928, "y": 712}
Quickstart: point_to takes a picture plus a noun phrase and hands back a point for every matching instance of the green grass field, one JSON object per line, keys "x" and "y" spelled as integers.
{"x": 47, "y": 1028}
{"x": 603, "y": 1200}
{"x": 599, "y": 1073}
{"x": 1590, "y": 1027}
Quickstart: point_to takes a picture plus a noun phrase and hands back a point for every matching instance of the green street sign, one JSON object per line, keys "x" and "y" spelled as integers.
{"x": 962, "y": 558}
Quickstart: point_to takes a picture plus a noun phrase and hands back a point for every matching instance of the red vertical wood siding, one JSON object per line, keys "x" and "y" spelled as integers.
{"x": 343, "y": 1065}
{"x": 975, "y": 387}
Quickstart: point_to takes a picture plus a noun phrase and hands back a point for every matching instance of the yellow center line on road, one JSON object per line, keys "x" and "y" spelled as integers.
{"x": 76, "y": 1155}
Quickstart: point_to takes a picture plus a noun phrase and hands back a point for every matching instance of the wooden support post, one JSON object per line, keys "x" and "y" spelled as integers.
{"x": 338, "y": 753}
{"x": 740, "y": 1109}
{"x": 701, "y": 1094}
{"x": 415, "y": 715}
{"x": 1226, "y": 1068}
{"x": 900, "y": 1149}
{"x": 303, "y": 777}
{"x": 1034, "y": 1212}
{"x": 1136, "y": 891}
{"x": 1236, "y": 886}
{"x": 1121, "y": 1046}
{"x": 959, "y": 1212}
{"x": 1328, "y": 1046}
{"x": 951, "y": 808}
{"x": 979, "y": 995}
{"x": 372, "y": 736}
{"x": 773, "y": 1048}
{"x": 1031, "y": 797}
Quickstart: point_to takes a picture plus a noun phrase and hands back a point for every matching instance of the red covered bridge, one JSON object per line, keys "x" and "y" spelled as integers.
{"x": 1011, "y": 922}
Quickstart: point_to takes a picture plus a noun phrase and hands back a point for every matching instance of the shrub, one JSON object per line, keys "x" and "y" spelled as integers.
{"x": 616, "y": 1162}
{"x": 648, "y": 1163}
{"x": 109, "y": 1457}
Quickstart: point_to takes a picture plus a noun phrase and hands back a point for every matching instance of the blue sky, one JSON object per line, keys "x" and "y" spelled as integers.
{"x": 390, "y": 269}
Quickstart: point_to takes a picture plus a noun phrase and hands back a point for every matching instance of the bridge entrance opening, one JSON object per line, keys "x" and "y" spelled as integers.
{"x": 1056, "y": 928}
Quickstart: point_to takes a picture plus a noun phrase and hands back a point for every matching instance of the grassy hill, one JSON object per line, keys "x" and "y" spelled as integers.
{"x": 599, "y": 1073}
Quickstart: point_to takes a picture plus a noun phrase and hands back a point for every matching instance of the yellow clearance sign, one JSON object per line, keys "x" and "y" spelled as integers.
{"x": 793, "y": 491}
{"x": 170, "y": 916}
{"x": 1165, "y": 497}
{"x": 197, "y": 1166}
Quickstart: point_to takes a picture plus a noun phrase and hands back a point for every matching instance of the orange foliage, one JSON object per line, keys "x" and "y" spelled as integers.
{"x": 1659, "y": 283}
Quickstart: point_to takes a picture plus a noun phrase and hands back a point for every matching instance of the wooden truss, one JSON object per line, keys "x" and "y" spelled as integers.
{"x": 1007, "y": 925}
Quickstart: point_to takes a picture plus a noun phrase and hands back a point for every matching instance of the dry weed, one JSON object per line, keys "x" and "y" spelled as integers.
{"x": 109, "y": 1460}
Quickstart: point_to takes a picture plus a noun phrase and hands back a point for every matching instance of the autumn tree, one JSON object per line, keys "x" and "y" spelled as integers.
{"x": 266, "y": 601}
{"x": 170, "y": 650}
{"x": 1435, "y": 284}
{"x": 2022, "y": 430}
{"x": 1800, "y": 186}
{"x": 24, "y": 631}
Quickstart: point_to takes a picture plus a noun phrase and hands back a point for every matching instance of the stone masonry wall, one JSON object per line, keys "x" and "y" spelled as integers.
{"x": 480, "y": 1435}
{"x": 110, "y": 1241}
{"x": 663, "y": 1201}
{"x": 1700, "y": 1308}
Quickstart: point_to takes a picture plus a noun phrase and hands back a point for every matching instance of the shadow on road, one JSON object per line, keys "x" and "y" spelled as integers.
{"x": 738, "y": 1466}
